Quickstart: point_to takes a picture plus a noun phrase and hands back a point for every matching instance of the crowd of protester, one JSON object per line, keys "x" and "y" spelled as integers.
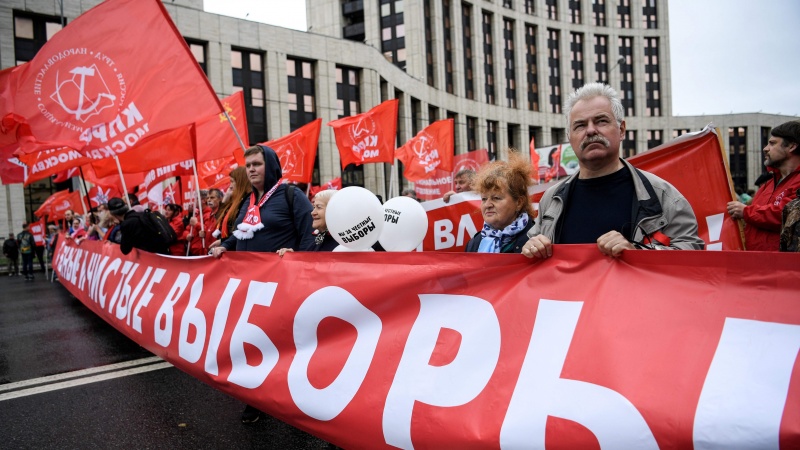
{"x": 591, "y": 206}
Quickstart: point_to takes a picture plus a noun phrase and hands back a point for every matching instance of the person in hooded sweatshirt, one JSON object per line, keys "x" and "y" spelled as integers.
{"x": 265, "y": 222}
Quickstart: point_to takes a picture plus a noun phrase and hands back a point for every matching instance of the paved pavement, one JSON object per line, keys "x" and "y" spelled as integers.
{"x": 69, "y": 380}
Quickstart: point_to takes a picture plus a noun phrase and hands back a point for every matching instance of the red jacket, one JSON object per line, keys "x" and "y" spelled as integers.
{"x": 179, "y": 247}
{"x": 196, "y": 247}
{"x": 762, "y": 218}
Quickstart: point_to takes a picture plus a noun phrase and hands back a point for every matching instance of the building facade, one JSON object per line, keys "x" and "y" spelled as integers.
{"x": 500, "y": 68}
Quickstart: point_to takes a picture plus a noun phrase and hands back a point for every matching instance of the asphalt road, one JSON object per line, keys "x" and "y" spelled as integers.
{"x": 69, "y": 380}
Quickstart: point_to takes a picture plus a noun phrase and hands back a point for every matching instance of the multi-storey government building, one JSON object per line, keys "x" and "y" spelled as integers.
{"x": 500, "y": 68}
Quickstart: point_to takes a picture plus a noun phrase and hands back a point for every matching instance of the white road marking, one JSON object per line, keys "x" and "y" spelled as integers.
{"x": 81, "y": 377}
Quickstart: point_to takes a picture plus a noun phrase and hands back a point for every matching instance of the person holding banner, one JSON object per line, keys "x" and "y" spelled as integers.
{"x": 231, "y": 204}
{"x": 462, "y": 183}
{"x": 323, "y": 241}
{"x": 608, "y": 201}
{"x": 269, "y": 222}
{"x": 505, "y": 206}
{"x": 172, "y": 212}
{"x": 762, "y": 218}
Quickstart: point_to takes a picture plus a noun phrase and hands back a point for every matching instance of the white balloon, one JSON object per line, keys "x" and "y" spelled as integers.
{"x": 405, "y": 224}
{"x": 355, "y": 218}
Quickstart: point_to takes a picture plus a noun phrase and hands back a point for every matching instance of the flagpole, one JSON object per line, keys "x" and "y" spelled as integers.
{"x": 200, "y": 210}
{"x": 84, "y": 195}
{"x": 86, "y": 191}
{"x": 122, "y": 179}
{"x": 391, "y": 180}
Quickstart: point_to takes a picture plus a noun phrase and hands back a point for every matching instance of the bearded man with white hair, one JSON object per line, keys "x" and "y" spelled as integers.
{"x": 608, "y": 201}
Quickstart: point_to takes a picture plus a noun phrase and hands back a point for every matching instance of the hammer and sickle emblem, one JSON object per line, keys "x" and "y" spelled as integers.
{"x": 82, "y": 72}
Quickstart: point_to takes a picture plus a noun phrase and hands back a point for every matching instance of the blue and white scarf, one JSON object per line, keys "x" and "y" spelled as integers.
{"x": 493, "y": 240}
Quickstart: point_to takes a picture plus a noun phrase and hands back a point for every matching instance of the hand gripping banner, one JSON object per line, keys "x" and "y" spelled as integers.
{"x": 669, "y": 349}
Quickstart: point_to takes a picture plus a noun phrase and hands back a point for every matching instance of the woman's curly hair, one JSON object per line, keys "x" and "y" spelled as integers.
{"x": 513, "y": 177}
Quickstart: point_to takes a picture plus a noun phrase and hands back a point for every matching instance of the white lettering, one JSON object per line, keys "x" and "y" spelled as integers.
{"x": 328, "y": 402}
{"x": 418, "y": 381}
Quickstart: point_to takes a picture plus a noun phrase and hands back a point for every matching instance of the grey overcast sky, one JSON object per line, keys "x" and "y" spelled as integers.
{"x": 726, "y": 55}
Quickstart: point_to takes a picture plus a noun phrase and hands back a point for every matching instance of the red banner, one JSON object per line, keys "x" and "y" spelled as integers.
{"x": 456, "y": 351}
{"x": 694, "y": 164}
{"x": 442, "y": 182}
{"x": 297, "y": 151}
{"x": 38, "y": 231}
{"x": 429, "y": 151}
{"x": 114, "y": 76}
{"x": 368, "y": 137}
{"x": 184, "y": 168}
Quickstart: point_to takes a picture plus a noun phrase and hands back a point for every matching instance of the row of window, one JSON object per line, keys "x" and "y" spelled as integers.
{"x": 577, "y": 63}
{"x": 598, "y": 12}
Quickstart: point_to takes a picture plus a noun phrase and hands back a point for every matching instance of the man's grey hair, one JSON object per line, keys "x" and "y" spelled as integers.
{"x": 469, "y": 173}
{"x": 591, "y": 90}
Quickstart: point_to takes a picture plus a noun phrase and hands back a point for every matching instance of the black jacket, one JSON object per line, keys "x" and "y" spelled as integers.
{"x": 282, "y": 228}
{"x": 134, "y": 234}
{"x": 11, "y": 248}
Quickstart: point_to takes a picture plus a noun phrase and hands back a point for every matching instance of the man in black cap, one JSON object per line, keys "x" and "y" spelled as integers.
{"x": 134, "y": 233}
{"x": 762, "y": 217}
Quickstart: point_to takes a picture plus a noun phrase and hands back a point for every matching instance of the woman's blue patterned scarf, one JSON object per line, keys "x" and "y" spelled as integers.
{"x": 492, "y": 240}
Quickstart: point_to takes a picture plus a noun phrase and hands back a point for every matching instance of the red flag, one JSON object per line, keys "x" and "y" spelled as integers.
{"x": 51, "y": 162}
{"x": 172, "y": 193}
{"x": 131, "y": 180}
{"x": 216, "y": 139}
{"x": 56, "y": 209}
{"x": 188, "y": 191}
{"x": 534, "y": 160}
{"x": 11, "y": 168}
{"x": 100, "y": 194}
{"x": 429, "y": 150}
{"x": 440, "y": 182}
{"x": 213, "y": 172}
{"x": 367, "y": 137}
{"x": 335, "y": 184}
{"x": 297, "y": 151}
{"x": 554, "y": 169}
{"x": 65, "y": 175}
{"x": 116, "y": 75}
{"x": 167, "y": 148}
{"x": 44, "y": 209}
